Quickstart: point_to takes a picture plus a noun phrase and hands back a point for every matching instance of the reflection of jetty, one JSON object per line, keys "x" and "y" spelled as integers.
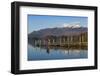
{"x": 73, "y": 37}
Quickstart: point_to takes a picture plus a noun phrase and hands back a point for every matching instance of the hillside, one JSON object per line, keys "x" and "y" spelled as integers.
{"x": 65, "y": 31}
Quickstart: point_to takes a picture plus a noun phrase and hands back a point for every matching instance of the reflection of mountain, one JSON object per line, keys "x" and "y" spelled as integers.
{"x": 57, "y": 32}
{"x": 42, "y": 53}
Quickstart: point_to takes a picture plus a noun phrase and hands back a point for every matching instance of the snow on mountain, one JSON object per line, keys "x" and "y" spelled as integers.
{"x": 74, "y": 25}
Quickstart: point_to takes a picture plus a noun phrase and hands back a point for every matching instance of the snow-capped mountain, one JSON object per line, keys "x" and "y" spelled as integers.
{"x": 74, "y": 30}
{"x": 71, "y": 25}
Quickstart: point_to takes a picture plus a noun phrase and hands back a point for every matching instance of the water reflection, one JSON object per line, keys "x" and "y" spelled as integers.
{"x": 51, "y": 52}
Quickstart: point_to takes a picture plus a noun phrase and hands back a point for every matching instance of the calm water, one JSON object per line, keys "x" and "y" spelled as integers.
{"x": 40, "y": 53}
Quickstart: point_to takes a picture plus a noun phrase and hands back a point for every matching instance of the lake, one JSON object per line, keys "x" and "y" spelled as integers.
{"x": 54, "y": 53}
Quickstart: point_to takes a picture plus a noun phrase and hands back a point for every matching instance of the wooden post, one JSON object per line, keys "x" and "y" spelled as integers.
{"x": 60, "y": 41}
{"x": 68, "y": 41}
{"x": 80, "y": 40}
{"x": 48, "y": 41}
{"x": 64, "y": 40}
{"x": 53, "y": 41}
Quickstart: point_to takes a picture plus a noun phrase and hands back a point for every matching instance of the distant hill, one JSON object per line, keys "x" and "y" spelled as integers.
{"x": 64, "y": 31}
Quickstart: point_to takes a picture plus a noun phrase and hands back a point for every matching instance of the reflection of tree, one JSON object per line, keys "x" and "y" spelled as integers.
{"x": 63, "y": 49}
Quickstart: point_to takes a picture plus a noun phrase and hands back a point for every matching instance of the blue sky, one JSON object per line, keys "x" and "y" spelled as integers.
{"x": 37, "y": 22}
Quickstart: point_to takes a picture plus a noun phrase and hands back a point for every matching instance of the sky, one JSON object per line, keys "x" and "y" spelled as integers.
{"x": 37, "y": 22}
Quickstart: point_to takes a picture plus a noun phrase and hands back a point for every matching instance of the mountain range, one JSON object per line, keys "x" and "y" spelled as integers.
{"x": 61, "y": 31}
